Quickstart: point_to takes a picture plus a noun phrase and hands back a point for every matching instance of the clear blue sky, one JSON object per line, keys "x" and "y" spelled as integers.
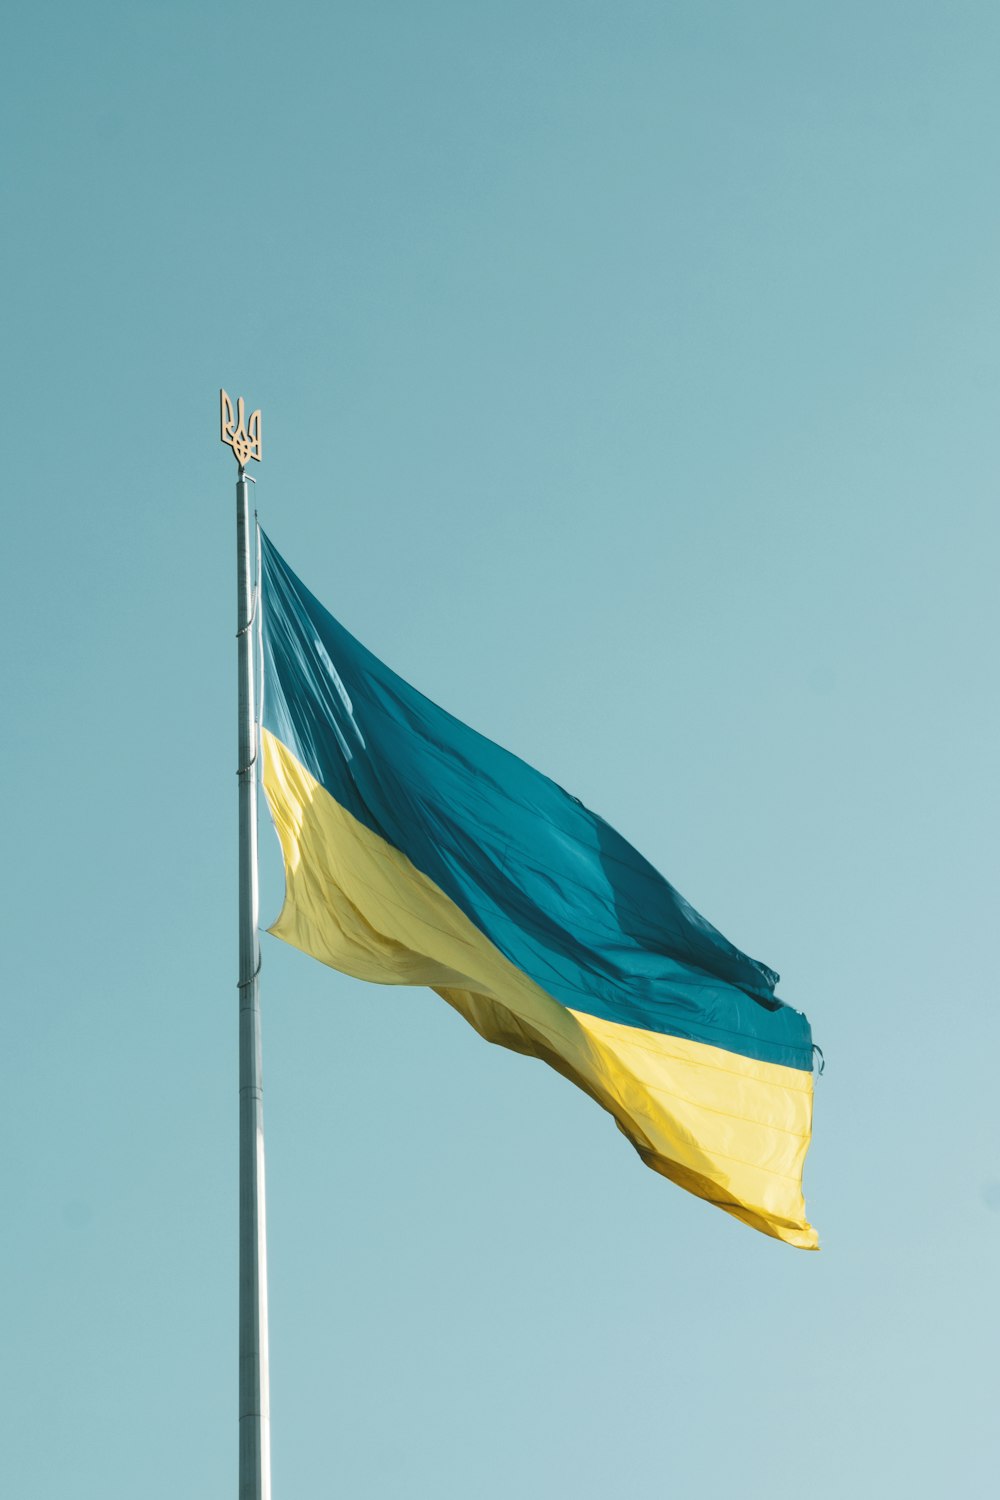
{"x": 631, "y": 381}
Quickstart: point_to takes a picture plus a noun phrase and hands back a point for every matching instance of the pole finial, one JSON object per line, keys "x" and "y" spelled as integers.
{"x": 243, "y": 437}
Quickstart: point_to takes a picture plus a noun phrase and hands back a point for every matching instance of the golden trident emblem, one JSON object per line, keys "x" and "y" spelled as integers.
{"x": 243, "y": 438}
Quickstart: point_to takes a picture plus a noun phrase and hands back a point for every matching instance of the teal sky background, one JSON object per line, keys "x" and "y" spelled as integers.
{"x": 631, "y": 377}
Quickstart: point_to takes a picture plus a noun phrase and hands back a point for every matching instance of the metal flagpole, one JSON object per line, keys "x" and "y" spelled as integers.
{"x": 254, "y": 1385}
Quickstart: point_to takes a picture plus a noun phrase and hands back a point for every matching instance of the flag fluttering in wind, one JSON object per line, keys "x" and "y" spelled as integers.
{"x": 418, "y": 852}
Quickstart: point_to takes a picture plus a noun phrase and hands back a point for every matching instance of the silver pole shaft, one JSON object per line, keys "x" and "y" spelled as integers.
{"x": 255, "y": 1406}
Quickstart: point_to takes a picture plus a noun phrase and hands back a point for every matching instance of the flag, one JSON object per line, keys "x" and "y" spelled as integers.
{"x": 419, "y": 852}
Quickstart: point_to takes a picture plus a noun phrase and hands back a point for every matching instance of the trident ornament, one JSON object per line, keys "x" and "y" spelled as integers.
{"x": 244, "y": 439}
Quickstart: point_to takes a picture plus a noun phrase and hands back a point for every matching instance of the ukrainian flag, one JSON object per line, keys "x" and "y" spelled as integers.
{"x": 418, "y": 852}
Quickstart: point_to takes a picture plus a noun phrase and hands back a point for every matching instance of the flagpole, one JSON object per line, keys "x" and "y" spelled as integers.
{"x": 254, "y": 1382}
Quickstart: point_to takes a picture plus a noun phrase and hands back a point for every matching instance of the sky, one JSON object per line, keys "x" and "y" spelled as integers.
{"x": 630, "y": 380}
